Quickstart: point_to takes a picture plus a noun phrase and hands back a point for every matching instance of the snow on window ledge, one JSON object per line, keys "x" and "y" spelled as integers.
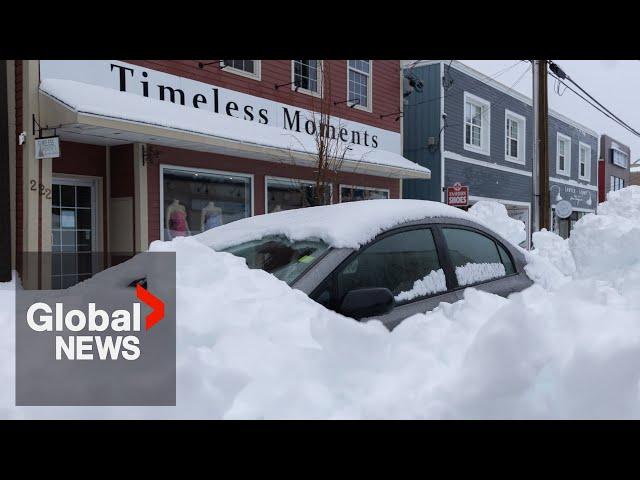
{"x": 434, "y": 282}
{"x": 478, "y": 272}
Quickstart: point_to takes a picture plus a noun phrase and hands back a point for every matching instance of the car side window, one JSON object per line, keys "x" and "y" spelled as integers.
{"x": 406, "y": 263}
{"x": 506, "y": 260}
{"x": 474, "y": 257}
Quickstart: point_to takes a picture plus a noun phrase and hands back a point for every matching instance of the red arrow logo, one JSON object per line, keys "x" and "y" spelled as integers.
{"x": 154, "y": 302}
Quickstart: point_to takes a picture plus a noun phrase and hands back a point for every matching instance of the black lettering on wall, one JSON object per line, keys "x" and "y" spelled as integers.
{"x": 310, "y": 127}
{"x": 231, "y": 107}
{"x": 123, "y": 78}
{"x": 172, "y": 93}
{"x": 374, "y": 139}
{"x": 145, "y": 85}
{"x": 215, "y": 100}
{"x": 198, "y": 98}
{"x": 344, "y": 134}
{"x": 289, "y": 122}
{"x": 355, "y": 137}
{"x": 248, "y": 112}
{"x": 330, "y": 129}
{"x": 263, "y": 116}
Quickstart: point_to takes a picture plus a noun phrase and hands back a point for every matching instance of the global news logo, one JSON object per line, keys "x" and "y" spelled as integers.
{"x": 80, "y": 335}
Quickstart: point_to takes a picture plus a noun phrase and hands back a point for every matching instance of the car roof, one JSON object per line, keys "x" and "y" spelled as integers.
{"x": 343, "y": 225}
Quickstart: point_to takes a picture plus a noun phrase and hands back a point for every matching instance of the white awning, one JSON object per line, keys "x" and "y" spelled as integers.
{"x": 93, "y": 114}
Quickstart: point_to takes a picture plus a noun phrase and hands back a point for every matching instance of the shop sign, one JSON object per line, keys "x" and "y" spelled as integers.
{"x": 564, "y": 209}
{"x": 48, "y": 147}
{"x": 137, "y": 80}
{"x": 458, "y": 195}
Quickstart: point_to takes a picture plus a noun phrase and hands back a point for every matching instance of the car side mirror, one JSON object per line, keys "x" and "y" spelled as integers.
{"x": 366, "y": 302}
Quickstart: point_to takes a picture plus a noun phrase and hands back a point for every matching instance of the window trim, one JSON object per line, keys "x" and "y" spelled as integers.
{"x": 369, "y": 107}
{"x": 254, "y": 76}
{"x": 521, "y": 159}
{"x": 167, "y": 166}
{"x": 340, "y": 186}
{"x": 320, "y": 92}
{"x": 485, "y": 133}
{"x": 567, "y": 160}
{"x": 587, "y": 168}
{"x": 303, "y": 182}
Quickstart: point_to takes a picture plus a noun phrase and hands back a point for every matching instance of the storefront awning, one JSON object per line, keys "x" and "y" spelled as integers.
{"x": 93, "y": 114}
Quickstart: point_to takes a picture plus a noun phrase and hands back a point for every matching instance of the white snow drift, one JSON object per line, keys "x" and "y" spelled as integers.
{"x": 251, "y": 347}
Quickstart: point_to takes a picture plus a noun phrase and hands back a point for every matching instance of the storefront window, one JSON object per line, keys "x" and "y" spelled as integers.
{"x": 352, "y": 194}
{"x": 288, "y": 194}
{"x": 195, "y": 201}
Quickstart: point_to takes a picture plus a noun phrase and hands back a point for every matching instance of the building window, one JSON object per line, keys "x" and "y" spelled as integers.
{"x": 359, "y": 80}
{"x": 563, "y": 155}
{"x": 584, "y": 162}
{"x": 195, "y": 200}
{"x": 247, "y": 68}
{"x": 619, "y": 158}
{"x": 289, "y": 194}
{"x": 476, "y": 124}
{"x": 515, "y": 135}
{"x": 352, "y": 194}
{"x": 616, "y": 183}
{"x": 307, "y": 76}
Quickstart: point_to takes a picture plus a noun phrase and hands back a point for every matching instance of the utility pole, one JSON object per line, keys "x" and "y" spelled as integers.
{"x": 5, "y": 213}
{"x": 540, "y": 173}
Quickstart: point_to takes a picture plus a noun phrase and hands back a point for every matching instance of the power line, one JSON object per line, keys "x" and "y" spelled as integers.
{"x": 560, "y": 75}
{"x": 604, "y": 112}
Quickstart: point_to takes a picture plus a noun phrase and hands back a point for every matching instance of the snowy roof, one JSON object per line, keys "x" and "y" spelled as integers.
{"x": 108, "y": 103}
{"x": 343, "y": 225}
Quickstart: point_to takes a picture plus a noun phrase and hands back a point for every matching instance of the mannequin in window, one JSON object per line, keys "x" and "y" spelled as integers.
{"x": 210, "y": 217}
{"x": 177, "y": 225}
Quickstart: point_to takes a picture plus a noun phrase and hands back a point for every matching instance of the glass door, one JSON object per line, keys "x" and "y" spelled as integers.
{"x": 73, "y": 232}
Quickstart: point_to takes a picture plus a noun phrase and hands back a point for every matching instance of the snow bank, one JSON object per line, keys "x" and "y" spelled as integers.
{"x": 495, "y": 215}
{"x": 433, "y": 282}
{"x": 251, "y": 347}
{"x": 471, "y": 273}
{"x": 610, "y": 241}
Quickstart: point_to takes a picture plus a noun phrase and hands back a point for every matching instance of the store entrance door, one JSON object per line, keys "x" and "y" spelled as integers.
{"x": 73, "y": 231}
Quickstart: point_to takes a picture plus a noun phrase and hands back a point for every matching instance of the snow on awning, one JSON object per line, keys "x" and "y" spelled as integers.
{"x": 102, "y": 115}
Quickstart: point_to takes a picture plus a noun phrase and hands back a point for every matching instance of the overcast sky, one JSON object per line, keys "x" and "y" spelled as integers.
{"x": 614, "y": 83}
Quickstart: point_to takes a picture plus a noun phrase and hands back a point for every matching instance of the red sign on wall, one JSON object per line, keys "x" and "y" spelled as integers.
{"x": 458, "y": 195}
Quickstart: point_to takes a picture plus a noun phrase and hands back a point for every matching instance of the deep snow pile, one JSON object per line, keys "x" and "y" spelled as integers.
{"x": 250, "y": 347}
{"x": 495, "y": 215}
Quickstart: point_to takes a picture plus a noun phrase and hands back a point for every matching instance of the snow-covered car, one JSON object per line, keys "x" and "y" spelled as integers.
{"x": 383, "y": 259}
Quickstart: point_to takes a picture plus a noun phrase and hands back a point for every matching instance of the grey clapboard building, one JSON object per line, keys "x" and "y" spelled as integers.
{"x": 471, "y": 129}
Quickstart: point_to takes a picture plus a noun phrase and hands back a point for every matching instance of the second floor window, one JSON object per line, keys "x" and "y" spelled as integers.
{"x": 359, "y": 89}
{"x": 476, "y": 124}
{"x": 585, "y": 162}
{"x": 619, "y": 158}
{"x": 514, "y": 137}
{"x": 306, "y": 75}
{"x": 563, "y": 155}
{"x": 248, "y": 68}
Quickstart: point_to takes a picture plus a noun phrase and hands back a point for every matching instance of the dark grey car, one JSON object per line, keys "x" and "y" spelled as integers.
{"x": 405, "y": 270}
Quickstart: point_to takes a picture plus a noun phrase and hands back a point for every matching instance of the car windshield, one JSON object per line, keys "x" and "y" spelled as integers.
{"x": 279, "y": 256}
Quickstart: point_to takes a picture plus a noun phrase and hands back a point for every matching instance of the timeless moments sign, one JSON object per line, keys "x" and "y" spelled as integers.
{"x": 165, "y": 87}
